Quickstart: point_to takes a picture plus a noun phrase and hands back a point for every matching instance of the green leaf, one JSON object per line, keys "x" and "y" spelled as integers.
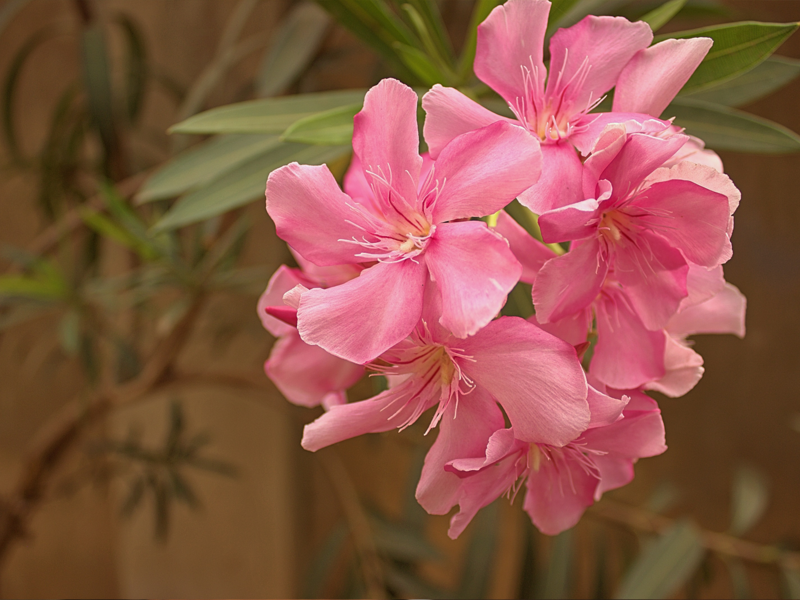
{"x": 665, "y": 565}
{"x": 739, "y": 580}
{"x": 750, "y": 498}
{"x": 69, "y": 332}
{"x": 204, "y": 163}
{"x": 97, "y": 77}
{"x": 330, "y": 128}
{"x": 270, "y": 115}
{"x": 658, "y": 17}
{"x": 400, "y": 542}
{"x": 135, "y": 67}
{"x": 479, "y": 14}
{"x": 791, "y": 582}
{"x": 419, "y": 63}
{"x": 107, "y": 228}
{"x": 243, "y": 184}
{"x": 478, "y": 563}
{"x": 134, "y": 497}
{"x": 296, "y": 43}
{"x": 428, "y": 11}
{"x": 738, "y": 47}
{"x": 724, "y": 128}
{"x": 20, "y": 286}
{"x": 323, "y": 563}
{"x": 408, "y": 584}
{"x": 442, "y": 60}
{"x": 558, "y": 577}
{"x": 769, "y": 76}
{"x": 182, "y": 490}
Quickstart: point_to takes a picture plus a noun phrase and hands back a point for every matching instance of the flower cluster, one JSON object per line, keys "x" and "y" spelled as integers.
{"x": 400, "y": 276}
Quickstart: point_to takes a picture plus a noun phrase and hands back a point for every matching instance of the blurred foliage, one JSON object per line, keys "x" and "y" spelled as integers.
{"x": 180, "y": 235}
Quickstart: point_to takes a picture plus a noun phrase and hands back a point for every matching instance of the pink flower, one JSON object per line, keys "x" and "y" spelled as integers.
{"x": 410, "y": 233}
{"x": 535, "y": 377}
{"x": 561, "y": 481}
{"x": 646, "y": 222}
{"x": 586, "y": 60}
{"x": 305, "y": 375}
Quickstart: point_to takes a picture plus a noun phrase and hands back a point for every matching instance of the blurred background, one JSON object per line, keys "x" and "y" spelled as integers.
{"x": 143, "y": 453}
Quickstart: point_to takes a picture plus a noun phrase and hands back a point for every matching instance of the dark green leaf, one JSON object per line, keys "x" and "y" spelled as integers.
{"x": 398, "y": 541}
{"x": 443, "y": 62}
{"x": 791, "y": 582}
{"x": 296, "y": 43}
{"x": 182, "y": 490}
{"x": 664, "y": 565}
{"x": 243, "y": 184}
{"x": 97, "y": 76}
{"x": 738, "y": 47}
{"x": 658, "y": 17}
{"x": 561, "y": 9}
{"x": 321, "y": 567}
{"x": 479, "y": 14}
{"x": 428, "y": 11}
{"x": 69, "y": 332}
{"x": 419, "y": 63}
{"x": 203, "y": 163}
{"x": 410, "y": 585}
{"x": 769, "y": 76}
{"x": 724, "y": 128}
{"x": 270, "y": 115}
{"x": 107, "y": 228}
{"x": 749, "y": 501}
{"x": 10, "y": 87}
{"x": 134, "y": 497}
{"x": 161, "y": 499}
{"x": 478, "y": 563}
{"x": 135, "y": 67}
{"x": 330, "y": 128}
{"x": 558, "y": 579}
{"x": 739, "y": 579}
{"x": 176, "y": 426}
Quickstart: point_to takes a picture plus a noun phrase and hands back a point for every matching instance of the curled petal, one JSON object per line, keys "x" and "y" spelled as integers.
{"x": 560, "y": 182}
{"x": 362, "y": 318}
{"x": 684, "y": 368}
{"x": 283, "y": 280}
{"x": 724, "y": 313}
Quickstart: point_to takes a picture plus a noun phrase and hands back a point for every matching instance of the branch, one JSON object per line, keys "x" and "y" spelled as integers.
{"x": 721, "y": 543}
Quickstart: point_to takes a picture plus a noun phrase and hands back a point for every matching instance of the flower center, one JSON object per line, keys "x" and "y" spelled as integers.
{"x": 614, "y": 225}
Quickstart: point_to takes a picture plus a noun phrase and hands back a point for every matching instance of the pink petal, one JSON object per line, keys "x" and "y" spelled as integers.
{"x": 355, "y": 183}
{"x": 605, "y": 149}
{"x": 536, "y": 377}
{"x": 702, "y": 284}
{"x": 573, "y": 328}
{"x": 345, "y": 421}
{"x": 480, "y": 172}
{"x": 306, "y": 374}
{"x": 684, "y": 368}
{"x": 639, "y": 157}
{"x": 691, "y": 218}
{"x": 605, "y": 409}
{"x": 653, "y": 77}
{"x": 449, "y": 113}
{"x": 703, "y": 175}
{"x": 724, "y": 313}
{"x": 558, "y": 494}
{"x": 570, "y": 282}
{"x": 362, "y": 318}
{"x": 511, "y": 37}
{"x": 654, "y": 276}
{"x": 463, "y": 433}
{"x": 560, "y": 182}
{"x": 614, "y": 472}
{"x": 573, "y": 222}
{"x": 385, "y": 136}
{"x": 474, "y": 269}
{"x": 589, "y": 127}
{"x": 605, "y": 43}
{"x": 627, "y": 355}
{"x": 640, "y": 434}
{"x": 530, "y": 252}
{"x": 312, "y": 214}
{"x": 283, "y": 280}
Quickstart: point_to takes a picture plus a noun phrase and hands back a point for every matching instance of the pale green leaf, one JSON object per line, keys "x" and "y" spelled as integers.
{"x": 419, "y": 63}
{"x": 69, "y": 332}
{"x": 19, "y": 286}
{"x": 478, "y": 562}
{"x": 332, "y": 127}
{"x": 665, "y": 565}
{"x": 769, "y": 76}
{"x": 243, "y": 184}
{"x": 740, "y": 582}
{"x": 658, "y": 17}
{"x": 270, "y": 115}
{"x": 750, "y": 498}
{"x": 203, "y": 163}
{"x": 738, "y": 47}
{"x": 724, "y": 128}
{"x": 791, "y": 582}
{"x": 296, "y": 42}
{"x": 558, "y": 577}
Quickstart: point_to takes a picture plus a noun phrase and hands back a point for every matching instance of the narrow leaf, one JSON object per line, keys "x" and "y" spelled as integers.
{"x": 270, "y": 115}
{"x": 243, "y": 184}
{"x": 769, "y": 76}
{"x": 135, "y": 68}
{"x": 107, "y": 228}
{"x": 69, "y": 332}
{"x": 419, "y": 63}
{"x": 558, "y": 578}
{"x": 19, "y": 286}
{"x": 296, "y": 43}
{"x": 134, "y": 497}
{"x": 429, "y": 11}
{"x": 321, "y": 567}
{"x": 658, "y": 17}
{"x": 478, "y": 561}
{"x": 182, "y": 490}
{"x": 479, "y": 14}
{"x": 204, "y": 163}
{"x": 665, "y": 565}
{"x": 750, "y": 498}
{"x": 740, "y": 582}
{"x": 403, "y": 543}
{"x": 330, "y": 128}
{"x": 738, "y": 47}
{"x": 791, "y": 582}
{"x": 97, "y": 76}
{"x": 724, "y": 128}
